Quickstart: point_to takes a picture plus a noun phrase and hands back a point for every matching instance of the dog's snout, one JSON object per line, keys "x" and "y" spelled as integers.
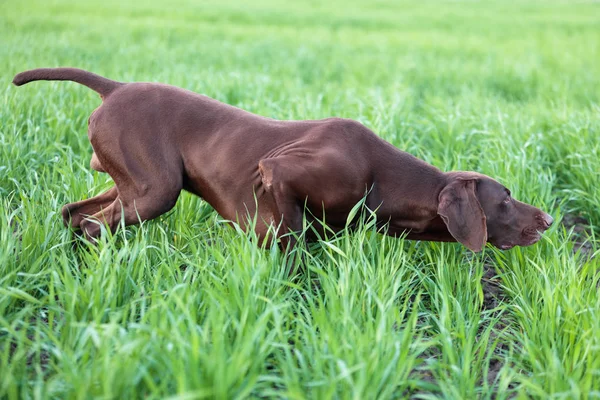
{"x": 546, "y": 220}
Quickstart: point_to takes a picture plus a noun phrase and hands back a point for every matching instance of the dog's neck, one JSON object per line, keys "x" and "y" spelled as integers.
{"x": 425, "y": 223}
{"x": 408, "y": 193}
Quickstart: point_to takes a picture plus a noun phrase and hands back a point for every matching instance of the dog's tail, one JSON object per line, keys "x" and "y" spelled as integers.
{"x": 95, "y": 82}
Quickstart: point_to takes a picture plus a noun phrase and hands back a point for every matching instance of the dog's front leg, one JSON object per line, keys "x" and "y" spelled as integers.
{"x": 276, "y": 176}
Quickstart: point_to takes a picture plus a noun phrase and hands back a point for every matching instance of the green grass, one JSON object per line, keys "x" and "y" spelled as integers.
{"x": 185, "y": 306}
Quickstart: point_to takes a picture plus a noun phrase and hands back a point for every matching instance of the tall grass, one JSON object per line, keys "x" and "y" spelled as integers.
{"x": 185, "y": 306}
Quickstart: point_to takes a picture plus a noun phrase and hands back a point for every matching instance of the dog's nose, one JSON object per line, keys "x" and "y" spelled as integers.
{"x": 547, "y": 220}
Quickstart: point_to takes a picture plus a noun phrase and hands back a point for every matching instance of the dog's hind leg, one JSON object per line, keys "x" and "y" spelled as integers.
{"x": 95, "y": 163}
{"x": 143, "y": 194}
{"x": 74, "y": 213}
{"x": 132, "y": 209}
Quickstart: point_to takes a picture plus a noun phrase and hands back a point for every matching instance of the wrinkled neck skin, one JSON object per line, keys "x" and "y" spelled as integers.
{"x": 408, "y": 198}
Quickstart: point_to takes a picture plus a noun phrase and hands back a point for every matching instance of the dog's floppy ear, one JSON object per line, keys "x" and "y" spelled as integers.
{"x": 461, "y": 212}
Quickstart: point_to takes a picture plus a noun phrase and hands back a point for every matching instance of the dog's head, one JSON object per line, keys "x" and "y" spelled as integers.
{"x": 476, "y": 209}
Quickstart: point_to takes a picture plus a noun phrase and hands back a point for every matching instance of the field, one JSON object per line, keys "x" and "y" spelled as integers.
{"x": 186, "y": 306}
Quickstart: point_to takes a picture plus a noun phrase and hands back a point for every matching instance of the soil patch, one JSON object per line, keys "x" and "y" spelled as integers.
{"x": 490, "y": 284}
{"x": 582, "y": 230}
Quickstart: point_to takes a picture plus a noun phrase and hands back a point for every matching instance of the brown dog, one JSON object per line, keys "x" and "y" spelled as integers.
{"x": 155, "y": 140}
